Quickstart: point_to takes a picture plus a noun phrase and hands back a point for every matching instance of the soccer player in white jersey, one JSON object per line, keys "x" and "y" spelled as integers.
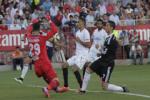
{"x": 78, "y": 60}
{"x": 98, "y": 37}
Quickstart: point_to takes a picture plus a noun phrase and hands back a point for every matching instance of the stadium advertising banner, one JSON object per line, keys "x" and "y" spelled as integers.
{"x": 12, "y": 38}
{"x": 143, "y": 31}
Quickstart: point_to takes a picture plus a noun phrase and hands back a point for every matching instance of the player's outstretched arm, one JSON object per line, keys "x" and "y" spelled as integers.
{"x": 53, "y": 28}
{"x": 30, "y": 27}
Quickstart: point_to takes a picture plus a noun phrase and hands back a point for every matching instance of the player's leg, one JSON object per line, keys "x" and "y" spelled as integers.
{"x": 127, "y": 49}
{"x": 14, "y": 64}
{"x": 141, "y": 58}
{"x": 46, "y": 80}
{"x": 86, "y": 79}
{"x": 24, "y": 71}
{"x": 77, "y": 75}
{"x": 21, "y": 63}
{"x": 134, "y": 57}
{"x": 65, "y": 65}
{"x": 85, "y": 66}
{"x": 93, "y": 67}
{"x": 50, "y": 76}
{"x": 112, "y": 87}
{"x": 52, "y": 85}
{"x": 105, "y": 74}
{"x": 79, "y": 63}
{"x": 65, "y": 74}
{"x": 52, "y": 80}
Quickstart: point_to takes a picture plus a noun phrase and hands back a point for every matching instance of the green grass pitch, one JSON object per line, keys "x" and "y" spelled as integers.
{"x": 136, "y": 78}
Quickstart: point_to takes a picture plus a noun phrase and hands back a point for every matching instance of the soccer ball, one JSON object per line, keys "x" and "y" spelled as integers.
{"x": 56, "y": 37}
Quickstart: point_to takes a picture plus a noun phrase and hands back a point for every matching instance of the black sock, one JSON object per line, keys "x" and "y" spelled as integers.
{"x": 65, "y": 75}
{"x": 84, "y": 68}
{"x": 78, "y": 77}
{"x": 20, "y": 79}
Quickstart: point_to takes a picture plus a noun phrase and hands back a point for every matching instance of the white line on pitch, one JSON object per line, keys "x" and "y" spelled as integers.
{"x": 129, "y": 93}
{"x": 125, "y": 93}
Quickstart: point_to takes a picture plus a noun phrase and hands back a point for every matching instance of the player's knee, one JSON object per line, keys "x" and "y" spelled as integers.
{"x": 86, "y": 64}
{"x": 74, "y": 68}
{"x": 56, "y": 82}
{"x": 65, "y": 65}
{"x": 88, "y": 70}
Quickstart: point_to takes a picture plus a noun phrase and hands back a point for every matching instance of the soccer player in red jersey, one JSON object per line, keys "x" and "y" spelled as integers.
{"x": 38, "y": 54}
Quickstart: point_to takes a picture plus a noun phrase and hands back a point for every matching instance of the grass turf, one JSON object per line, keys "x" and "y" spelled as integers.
{"x": 136, "y": 78}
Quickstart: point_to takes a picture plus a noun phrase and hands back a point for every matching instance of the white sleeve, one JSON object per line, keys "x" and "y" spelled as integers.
{"x": 86, "y": 36}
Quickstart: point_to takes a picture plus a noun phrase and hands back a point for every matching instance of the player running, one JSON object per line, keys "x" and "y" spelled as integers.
{"x": 42, "y": 65}
{"x": 78, "y": 60}
{"x": 98, "y": 37}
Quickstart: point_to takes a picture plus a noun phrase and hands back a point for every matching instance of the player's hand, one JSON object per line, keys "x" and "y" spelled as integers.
{"x": 29, "y": 29}
{"x": 34, "y": 58}
{"x": 78, "y": 39}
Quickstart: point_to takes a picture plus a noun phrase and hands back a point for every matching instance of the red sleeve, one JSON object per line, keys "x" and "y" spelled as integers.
{"x": 52, "y": 32}
{"x": 29, "y": 29}
{"x": 28, "y": 32}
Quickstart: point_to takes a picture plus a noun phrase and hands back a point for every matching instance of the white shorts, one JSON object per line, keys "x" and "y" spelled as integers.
{"x": 93, "y": 54}
{"x": 78, "y": 60}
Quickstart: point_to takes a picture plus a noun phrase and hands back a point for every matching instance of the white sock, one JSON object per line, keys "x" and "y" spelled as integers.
{"x": 24, "y": 71}
{"x": 112, "y": 87}
{"x": 85, "y": 82}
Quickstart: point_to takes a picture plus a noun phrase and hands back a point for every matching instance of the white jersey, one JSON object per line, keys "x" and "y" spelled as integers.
{"x": 84, "y": 36}
{"x": 98, "y": 38}
{"x": 81, "y": 53}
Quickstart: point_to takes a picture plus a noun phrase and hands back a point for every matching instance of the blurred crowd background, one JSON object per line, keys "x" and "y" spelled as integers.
{"x": 17, "y": 15}
{"x": 122, "y": 12}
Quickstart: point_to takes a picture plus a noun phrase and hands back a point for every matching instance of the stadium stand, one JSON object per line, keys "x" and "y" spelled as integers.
{"x": 134, "y": 13}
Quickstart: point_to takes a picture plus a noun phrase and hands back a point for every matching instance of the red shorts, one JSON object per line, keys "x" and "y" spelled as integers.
{"x": 45, "y": 69}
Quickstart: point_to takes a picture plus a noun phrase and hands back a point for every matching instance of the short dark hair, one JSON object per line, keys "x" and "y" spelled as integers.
{"x": 82, "y": 19}
{"x": 36, "y": 26}
{"x": 104, "y": 23}
{"x": 112, "y": 24}
{"x": 99, "y": 20}
{"x": 71, "y": 16}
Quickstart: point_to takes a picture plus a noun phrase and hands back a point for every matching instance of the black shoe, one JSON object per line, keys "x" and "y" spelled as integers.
{"x": 19, "y": 80}
{"x": 125, "y": 89}
{"x": 82, "y": 92}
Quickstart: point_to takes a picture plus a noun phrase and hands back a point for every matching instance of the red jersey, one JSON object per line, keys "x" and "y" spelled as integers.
{"x": 37, "y": 43}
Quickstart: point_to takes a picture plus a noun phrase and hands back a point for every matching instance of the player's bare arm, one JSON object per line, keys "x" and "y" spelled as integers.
{"x": 86, "y": 44}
